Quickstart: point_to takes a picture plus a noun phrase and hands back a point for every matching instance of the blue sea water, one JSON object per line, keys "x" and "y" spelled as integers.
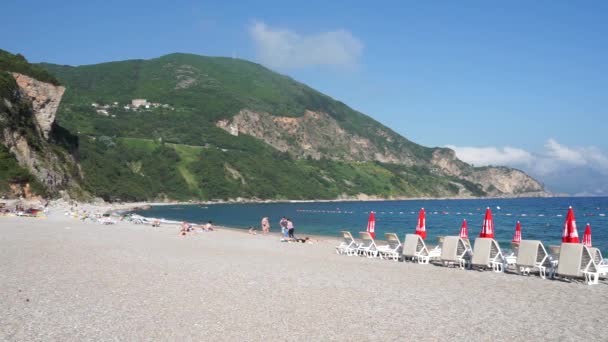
{"x": 541, "y": 218}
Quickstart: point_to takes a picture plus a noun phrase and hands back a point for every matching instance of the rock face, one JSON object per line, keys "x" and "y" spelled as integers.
{"x": 26, "y": 122}
{"x": 495, "y": 181}
{"x": 314, "y": 134}
{"x": 318, "y": 135}
{"x": 45, "y": 99}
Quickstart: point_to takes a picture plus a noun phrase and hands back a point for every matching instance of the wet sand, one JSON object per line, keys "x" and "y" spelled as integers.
{"x": 67, "y": 280}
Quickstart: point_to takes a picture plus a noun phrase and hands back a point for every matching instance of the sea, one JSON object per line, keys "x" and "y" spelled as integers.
{"x": 541, "y": 218}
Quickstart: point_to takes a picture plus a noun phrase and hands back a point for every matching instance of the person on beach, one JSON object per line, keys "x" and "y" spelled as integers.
{"x": 252, "y": 230}
{"x": 185, "y": 228}
{"x": 290, "y": 228}
{"x": 265, "y": 225}
{"x": 283, "y": 225}
{"x": 208, "y": 227}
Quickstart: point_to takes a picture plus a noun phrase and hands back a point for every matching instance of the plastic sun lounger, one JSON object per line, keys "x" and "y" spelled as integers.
{"x": 576, "y": 261}
{"x": 454, "y": 251}
{"x": 600, "y": 263}
{"x": 392, "y": 249}
{"x": 368, "y": 245}
{"x": 415, "y": 249}
{"x": 348, "y": 246}
{"x": 486, "y": 253}
{"x": 533, "y": 255}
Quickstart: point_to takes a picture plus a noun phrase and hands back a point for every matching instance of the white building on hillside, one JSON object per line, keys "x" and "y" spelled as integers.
{"x": 136, "y": 103}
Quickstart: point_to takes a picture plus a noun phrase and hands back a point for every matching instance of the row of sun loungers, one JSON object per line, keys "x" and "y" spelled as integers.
{"x": 575, "y": 260}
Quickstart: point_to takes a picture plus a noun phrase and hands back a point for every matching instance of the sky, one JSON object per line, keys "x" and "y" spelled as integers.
{"x": 518, "y": 83}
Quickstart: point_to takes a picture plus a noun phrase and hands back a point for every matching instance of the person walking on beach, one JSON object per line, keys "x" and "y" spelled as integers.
{"x": 290, "y": 228}
{"x": 265, "y": 225}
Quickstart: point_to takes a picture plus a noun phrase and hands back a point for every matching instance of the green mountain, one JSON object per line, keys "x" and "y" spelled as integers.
{"x": 222, "y": 128}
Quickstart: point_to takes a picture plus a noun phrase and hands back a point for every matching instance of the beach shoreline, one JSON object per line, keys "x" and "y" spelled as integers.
{"x": 67, "y": 279}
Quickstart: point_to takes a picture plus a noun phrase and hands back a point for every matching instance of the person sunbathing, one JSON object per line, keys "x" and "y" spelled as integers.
{"x": 185, "y": 227}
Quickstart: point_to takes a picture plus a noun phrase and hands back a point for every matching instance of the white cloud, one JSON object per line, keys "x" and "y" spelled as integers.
{"x": 556, "y": 162}
{"x": 481, "y": 156}
{"x": 563, "y": 153}
{"x": 284, "y": 49}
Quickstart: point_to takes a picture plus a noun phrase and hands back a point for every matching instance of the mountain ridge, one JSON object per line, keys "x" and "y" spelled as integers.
{"x": 291, "y": 141}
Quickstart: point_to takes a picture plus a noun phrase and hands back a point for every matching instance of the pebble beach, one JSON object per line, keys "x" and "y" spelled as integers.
{"x": 68, "y": 280}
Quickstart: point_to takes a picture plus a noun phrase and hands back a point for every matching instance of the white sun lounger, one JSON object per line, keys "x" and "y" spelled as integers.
{"x": 600, "y": 263}
{"x": 415, "y": 249}
{"x": 486, "y": 253}
{"x": 576, "y": 261}
{"x": 392, "y": 249}
{"x": 368, "y": 245}
{"x": 454, "y": 251}
{"x": 533, "y": 255}
{"x": 348, "y": 245}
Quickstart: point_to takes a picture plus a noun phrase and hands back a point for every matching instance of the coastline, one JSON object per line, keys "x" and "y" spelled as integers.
{"x": 337, "y": 200}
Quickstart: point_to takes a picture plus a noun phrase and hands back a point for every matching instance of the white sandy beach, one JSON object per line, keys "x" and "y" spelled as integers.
{"x": 67, "y": 280}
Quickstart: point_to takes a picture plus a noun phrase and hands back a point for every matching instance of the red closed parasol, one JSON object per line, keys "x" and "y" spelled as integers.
{"x": 517, "y": 235}
{"x": 570, "y": 233}
{"x": 464, "y": 232}
{"x": 371, "y": 225}
{"x": 421, "y": 226}
{"x": 587, "y": 236}
{"x": 487, "y": 231}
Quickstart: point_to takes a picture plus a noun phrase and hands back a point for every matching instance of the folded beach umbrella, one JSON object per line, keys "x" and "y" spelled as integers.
{"x": 587, "y": 236}
{"x": 570, "y": 233}
{"x": 487, "y": 231}
{"x": 517, "y": 235}
{"x": 464, "y": 232}
{"x": 371, "y": 225}
{"x": 421, "y": 226}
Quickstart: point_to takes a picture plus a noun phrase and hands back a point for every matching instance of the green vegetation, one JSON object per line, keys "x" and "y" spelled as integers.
{"x": 137, "y": 169}
{"x": 202, "y": 90}
{"x": 177, "y": 152}
{"x": 18, "y": 63}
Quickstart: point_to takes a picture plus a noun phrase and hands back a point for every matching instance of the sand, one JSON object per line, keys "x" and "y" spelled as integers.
{"x": 67, "y": 280}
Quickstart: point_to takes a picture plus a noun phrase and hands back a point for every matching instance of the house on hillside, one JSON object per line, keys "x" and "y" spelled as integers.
{"x": 136, "y": 103}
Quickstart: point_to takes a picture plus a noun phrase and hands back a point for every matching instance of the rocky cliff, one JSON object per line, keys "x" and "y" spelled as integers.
{"x": 495, "y": 181}
{"x": 27, "y": 114}
{"x": 315, "y": 135}
{"x": 318, "y": 135}
{"x": 44, "y": 99}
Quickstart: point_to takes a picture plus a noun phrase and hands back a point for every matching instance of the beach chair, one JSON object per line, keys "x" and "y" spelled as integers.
{"x": 486, "y": 253}
{"x": 348, "y": 245}
{"x": 392, "y": 249}
{"x": 576, "y": 261}
{"x": 533, "y": 255}
{"x": 600, "y": 263}
{"x": 368, "y": 245}
{"x": 415, "y": 249}
{"x": 455, "y": 251}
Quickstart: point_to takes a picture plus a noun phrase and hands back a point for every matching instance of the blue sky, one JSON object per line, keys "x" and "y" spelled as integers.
{"x": 526, "y": 81}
